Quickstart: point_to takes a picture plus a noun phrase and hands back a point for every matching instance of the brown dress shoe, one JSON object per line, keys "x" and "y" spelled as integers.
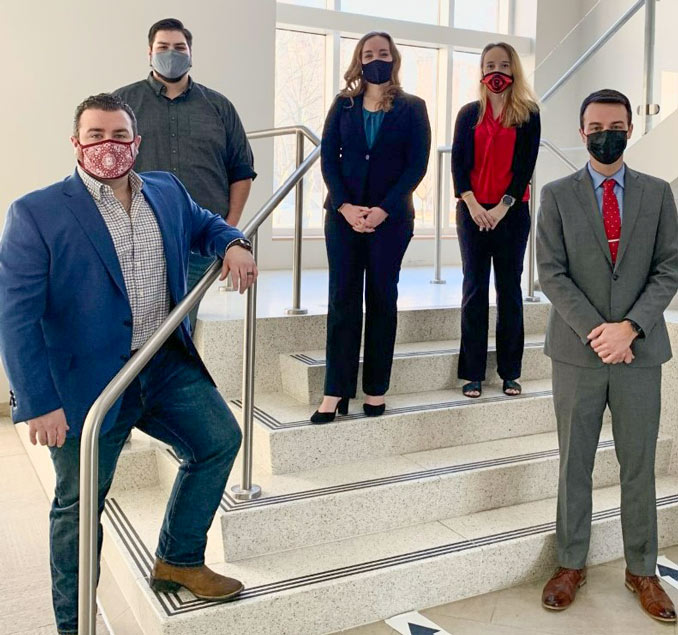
{"x": 200, "y": 581}
{"x": 652, "y": 597}
{"x": 561, "y": 589}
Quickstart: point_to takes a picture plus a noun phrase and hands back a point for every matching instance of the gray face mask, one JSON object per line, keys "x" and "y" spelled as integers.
{"x": 171, "y": 65}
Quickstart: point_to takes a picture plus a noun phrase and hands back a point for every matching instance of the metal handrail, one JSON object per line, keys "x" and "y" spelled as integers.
{"x": 301, "y": 133}
{"x": 594, "y": 48}
{"x": 89, "y": 448}
{"x": 438, "y": 212}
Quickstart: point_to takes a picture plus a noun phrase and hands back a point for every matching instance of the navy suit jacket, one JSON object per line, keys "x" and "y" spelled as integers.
{"x": 387, "y": 174}
{"x": 65, "y": 317}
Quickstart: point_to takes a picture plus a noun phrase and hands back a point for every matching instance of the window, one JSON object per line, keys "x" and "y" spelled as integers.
{"x": 479, "y": 15}
{"x": 418, "y": 76}
{"x": 299, "y": 99}
{"x": 422, "y": 11}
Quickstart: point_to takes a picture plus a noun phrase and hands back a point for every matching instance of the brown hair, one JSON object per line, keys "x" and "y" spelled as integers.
{"x": 355, "y": 83}
{"x": 103, "y": 101}
{"x": 521, "y": 101}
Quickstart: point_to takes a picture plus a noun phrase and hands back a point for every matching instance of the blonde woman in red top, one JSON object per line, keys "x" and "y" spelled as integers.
{"x": 496, "y": 141}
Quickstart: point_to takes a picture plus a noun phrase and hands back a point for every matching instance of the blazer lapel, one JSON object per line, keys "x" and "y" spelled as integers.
{"x": 358, "y": 122}
{"x": 633, "y": 194}
{"x": 157, "y": 202}
{"x": 587, "y": 197}
{"x": 83, "y": 207}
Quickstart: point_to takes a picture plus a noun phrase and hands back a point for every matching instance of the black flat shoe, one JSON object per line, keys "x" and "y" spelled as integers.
{"x": 374, "y": 411}
{"x": 472, "y": 386}
{"x": 328, "y": 417}
{"x": 510, "y": 384}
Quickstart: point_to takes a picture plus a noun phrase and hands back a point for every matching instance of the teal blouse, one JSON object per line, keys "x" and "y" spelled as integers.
{"x": 372, "y": 121}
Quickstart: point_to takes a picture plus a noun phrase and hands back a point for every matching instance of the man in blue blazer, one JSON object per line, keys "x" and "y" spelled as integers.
{"x": 89, "y": 268}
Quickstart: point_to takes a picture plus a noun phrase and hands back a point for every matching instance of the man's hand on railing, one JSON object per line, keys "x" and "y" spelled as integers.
{"x": 240, "y": 263}
{"x": 49, "y": 429}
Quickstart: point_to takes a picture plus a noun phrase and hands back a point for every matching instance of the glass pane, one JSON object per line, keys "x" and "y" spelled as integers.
{"x": 465, "y": 79}
{"x": 299, "y": 99}
{"x": 418, "y": 76}
{"x": 479, "y": 15}
{"x": 422, "y": 11}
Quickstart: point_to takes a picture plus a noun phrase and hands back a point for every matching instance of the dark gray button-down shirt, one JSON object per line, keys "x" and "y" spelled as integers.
{"x": 197, "y": 136}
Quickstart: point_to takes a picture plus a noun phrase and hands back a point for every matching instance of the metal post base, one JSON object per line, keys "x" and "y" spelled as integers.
{"x": 532, "y": 298}
{"x": 246, "y": 494}
{"x": 299, "y": 311}
{"x": 438, "y": 281}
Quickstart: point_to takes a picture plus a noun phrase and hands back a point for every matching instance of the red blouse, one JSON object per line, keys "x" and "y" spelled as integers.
{"x": 493, "y": 162}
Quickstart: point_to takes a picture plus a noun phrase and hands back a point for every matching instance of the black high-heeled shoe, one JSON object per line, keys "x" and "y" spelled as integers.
{"x": 374, "y": 411}
{"x": 328, "y": 417}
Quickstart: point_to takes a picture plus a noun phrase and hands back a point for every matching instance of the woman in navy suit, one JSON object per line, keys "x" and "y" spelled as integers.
{"x": 496, "y": 142}
{"x": 375, "y": 150}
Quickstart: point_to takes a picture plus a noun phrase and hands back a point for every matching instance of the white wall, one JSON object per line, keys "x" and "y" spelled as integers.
{"x": 58, "y": 53}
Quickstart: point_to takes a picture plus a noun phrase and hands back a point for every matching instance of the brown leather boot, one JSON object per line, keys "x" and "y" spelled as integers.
{"x": 561, "y": 589}
{"x": 652, "y": 597}
{"x": 200, "y": 581}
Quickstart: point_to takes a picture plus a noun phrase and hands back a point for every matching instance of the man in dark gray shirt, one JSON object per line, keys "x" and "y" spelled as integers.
{"x": 191, "y": 131}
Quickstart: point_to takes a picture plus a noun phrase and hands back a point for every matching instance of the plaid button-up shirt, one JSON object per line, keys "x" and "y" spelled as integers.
{"x": 138, "y": 244}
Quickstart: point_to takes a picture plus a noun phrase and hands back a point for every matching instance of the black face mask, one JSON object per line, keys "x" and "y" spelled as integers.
{"x": 377, "y": 71}
{"x": 607, "y": 146}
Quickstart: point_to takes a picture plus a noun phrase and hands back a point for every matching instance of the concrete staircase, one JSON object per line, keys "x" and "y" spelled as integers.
{"x": 441, "y": 498}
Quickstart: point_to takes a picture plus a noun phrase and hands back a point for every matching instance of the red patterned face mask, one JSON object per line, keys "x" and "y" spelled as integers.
{"x": 497, "y": 82}
{"x": 109, "y": 159}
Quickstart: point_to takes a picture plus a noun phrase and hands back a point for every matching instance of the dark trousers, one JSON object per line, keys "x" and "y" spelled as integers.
{"x": 369, "y": 264}
{"x": 504, "y": 247}
{"x": 174, "y": 401}
{"x": 580, "y": 396}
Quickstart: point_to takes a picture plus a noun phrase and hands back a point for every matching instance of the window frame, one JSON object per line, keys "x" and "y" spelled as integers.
{"x": 444, "y": 37}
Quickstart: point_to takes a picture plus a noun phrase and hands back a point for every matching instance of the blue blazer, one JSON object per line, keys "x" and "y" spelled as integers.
{"x": 65, "y": 318}
{"x": 387, "y": 174}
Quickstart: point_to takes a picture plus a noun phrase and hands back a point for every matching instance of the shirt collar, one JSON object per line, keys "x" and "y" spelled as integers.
{"x": 598, "y": 178}
{"x": 98, "y": 189}
{"x": 160, "y": 89}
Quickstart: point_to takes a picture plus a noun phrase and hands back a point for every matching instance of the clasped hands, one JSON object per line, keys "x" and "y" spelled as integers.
{"x": 612, "y": 342}
{"x": 486, "y": 219}
{"x": 363, "y": 220}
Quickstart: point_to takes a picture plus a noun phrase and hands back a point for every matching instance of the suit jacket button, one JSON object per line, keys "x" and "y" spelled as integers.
{"x": 615, "y": 276}
{"x": 367, "y": 157}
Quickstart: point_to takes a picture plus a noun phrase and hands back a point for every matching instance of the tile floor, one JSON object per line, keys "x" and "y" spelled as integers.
{"x": 603, "y": 607}
{"x": 275, "y": 293}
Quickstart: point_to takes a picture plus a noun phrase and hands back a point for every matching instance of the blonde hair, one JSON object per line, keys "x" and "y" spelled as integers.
{"x": 521, "y": 101}
{"x": 355, "y": 83}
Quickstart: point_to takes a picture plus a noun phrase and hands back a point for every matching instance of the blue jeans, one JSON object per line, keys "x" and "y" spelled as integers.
{"x": 174, "y": 401}
{"x": 197, "y": 266}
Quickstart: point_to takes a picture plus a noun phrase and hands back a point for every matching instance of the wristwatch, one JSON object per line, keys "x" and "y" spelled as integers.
{"x": 240, "y": 242}
{"x": 508, "y": 200}
{"x": 636, "y": 327}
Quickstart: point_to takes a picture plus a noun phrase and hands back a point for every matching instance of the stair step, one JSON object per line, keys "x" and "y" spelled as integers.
{"x": 417, "y": 367}
{"x": 411, "y": 423}
{"x": 377, "y": 575}
{"x": 220, "y": 341}
{"x": 319, "y": 506}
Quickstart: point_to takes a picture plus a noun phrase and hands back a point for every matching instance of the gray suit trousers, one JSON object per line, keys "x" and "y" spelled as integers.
{"x": 580, "y": 397}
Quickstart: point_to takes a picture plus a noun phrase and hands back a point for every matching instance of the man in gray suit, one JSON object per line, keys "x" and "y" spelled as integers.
{"x": 607, "y": 253}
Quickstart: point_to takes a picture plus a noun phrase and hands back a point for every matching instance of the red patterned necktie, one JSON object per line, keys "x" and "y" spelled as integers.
{"x": 611, "y": 217}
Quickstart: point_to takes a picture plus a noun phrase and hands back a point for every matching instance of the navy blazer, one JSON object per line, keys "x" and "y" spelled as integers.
{"x": 525, "y": 152}
{"x": 65, "y": 317}
{"x": 387, "y": 174}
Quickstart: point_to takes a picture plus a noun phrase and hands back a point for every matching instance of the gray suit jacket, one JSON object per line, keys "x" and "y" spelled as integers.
{"x": 576, "y": 273}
